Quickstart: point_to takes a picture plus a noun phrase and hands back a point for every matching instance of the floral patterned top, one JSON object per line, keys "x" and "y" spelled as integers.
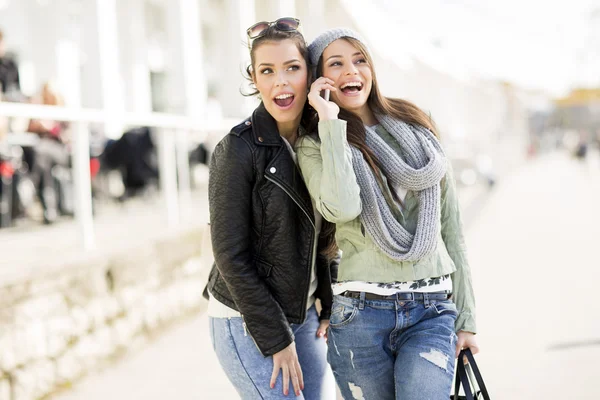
{"x": 430, "y": 285}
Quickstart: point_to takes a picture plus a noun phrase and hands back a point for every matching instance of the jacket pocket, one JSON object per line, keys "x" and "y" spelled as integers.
{"x": 264, "y": 268}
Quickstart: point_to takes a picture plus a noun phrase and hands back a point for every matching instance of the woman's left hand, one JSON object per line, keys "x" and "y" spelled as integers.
{"x": 322, "y": 331}
{"x": 466, "y": 339}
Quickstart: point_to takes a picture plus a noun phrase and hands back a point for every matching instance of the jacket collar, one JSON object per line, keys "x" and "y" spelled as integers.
{"x": 264, "y": 128}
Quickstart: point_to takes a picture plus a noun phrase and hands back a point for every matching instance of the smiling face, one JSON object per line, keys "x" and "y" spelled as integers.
{"x": 349, "y": 69}
{"x": 281, "y": 76}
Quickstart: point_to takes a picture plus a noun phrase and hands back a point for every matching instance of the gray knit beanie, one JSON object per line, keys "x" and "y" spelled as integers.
{"x": 318, "y": 46}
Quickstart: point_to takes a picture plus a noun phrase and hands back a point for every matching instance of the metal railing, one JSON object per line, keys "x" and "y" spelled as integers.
{"x": 172, "y": 149}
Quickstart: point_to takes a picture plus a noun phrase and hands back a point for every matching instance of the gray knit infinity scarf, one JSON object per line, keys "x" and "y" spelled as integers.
{"x": 422, "y": 172}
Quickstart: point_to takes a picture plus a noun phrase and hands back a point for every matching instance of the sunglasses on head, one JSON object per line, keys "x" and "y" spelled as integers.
{"x": 281, "y": 24}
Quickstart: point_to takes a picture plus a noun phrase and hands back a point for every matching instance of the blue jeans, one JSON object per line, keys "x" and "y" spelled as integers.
{"x": 250, "y": 372}
{"x": 390, "y": 349}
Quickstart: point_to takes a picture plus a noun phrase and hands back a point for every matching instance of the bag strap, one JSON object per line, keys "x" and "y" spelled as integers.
{"x": 456, "y": 383}
{"x": 461, "y": 374}
{"x": 463, "y": 379}
{"x": 477, "y": 373}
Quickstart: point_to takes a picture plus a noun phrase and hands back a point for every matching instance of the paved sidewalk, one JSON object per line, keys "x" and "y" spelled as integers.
{"x": 179, "y": 365}
{"x": 533, "y": 251}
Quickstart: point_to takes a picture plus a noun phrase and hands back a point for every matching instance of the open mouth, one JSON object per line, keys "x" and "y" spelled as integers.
{"x": 284, "y": 100}
{"x": 351, "y": 87}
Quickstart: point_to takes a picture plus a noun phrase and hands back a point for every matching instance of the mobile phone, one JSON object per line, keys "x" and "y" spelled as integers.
{"x": 326, "y": 94}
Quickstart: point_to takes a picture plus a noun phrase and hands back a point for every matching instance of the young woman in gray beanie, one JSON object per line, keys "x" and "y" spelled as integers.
{"x": 268, "y": 270}
{"x": 403, "y": 305}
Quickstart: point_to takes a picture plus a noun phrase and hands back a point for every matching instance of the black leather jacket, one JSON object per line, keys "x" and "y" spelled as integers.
{"x": 263, "y": 230}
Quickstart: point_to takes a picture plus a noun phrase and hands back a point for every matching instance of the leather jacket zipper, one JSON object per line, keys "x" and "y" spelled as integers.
{"x": 304, "y": 297}
{"x": 246, "y": 333}
{"x": 292, "y": 197}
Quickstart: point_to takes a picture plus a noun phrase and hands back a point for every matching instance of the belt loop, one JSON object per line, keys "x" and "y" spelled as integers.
{"x": 361, "y": 303}
{"x": 426, "y": 300}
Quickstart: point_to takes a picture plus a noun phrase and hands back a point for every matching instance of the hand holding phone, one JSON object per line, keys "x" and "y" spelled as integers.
{"x": 319, "y": 99}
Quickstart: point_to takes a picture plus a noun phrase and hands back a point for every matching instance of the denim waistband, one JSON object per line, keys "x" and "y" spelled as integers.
{"x": 383, "y": 303}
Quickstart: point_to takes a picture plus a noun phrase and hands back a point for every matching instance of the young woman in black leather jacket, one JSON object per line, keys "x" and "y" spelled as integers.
{"x": 269, "y": 270}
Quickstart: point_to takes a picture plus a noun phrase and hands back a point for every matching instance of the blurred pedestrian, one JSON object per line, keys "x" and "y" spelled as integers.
{"x": 10, "y": 84}
{"x": 134, "y": 154}
{"x": 269, "y": 269}
{"x": 3, "y": 122}
{"x": 375, "y": 167}
{"x": 581, "y": 149}
{"x": 49, "y": 154}
{"x": 47, "y": 128}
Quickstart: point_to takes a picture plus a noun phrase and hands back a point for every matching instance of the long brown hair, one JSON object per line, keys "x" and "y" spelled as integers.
{"x": 356, "y": 133}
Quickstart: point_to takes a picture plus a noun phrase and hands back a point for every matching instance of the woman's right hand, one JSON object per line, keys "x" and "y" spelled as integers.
{"x": 326, "y": 109}
{"x": 466, "y": 340}
{"x": 287, "y": 361}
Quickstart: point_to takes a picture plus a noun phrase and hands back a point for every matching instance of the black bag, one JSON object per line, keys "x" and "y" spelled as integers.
{"x": 462, "y": 378}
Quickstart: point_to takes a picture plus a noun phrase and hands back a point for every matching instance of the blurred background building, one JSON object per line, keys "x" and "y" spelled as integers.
{"x": 106, "y": 133}
{"x": 478, "y": 68}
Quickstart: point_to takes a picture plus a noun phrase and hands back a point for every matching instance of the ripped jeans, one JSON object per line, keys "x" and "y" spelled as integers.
{"x": 391, "y": 349}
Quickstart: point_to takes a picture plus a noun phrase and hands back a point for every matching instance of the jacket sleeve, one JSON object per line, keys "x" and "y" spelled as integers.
{"x": 231, "y": 182}
{"x": 326, "y": 167}
{"x": 452, "y": 234}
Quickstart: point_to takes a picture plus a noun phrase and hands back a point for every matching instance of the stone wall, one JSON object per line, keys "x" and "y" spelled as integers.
{"x": 56, "y": 327}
